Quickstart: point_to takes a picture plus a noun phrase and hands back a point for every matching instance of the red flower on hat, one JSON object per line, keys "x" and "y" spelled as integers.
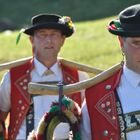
{"x": 113, "y": 26}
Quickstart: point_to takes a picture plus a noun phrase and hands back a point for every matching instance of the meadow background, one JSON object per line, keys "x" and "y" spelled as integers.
{"x": 91, "y": 44}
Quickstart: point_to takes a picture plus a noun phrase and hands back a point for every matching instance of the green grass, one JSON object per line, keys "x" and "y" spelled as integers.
{"x": 91, "y": 44}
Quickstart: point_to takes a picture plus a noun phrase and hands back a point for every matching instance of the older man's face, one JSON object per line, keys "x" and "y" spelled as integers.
{"x": 47, "y": 43}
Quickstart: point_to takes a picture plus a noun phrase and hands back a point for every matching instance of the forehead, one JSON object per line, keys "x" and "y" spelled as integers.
{"x": 46, "y": 30}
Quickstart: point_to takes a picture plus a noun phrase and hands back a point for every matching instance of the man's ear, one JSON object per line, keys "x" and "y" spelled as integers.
{"x": 120, "y": 41}
{"x": 63, "y": 40}
{"x": 32, "y": 42}
{"x": 31, "y": 39}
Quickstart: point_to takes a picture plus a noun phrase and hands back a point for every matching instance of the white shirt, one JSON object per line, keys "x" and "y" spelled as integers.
{"x": 129, "y": 94}
{"x": 41, "y": 103}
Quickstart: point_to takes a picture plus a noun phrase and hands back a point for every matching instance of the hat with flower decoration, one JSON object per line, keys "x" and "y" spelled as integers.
{"x": 128, "y": 22}
{"x": 53, "y": 21}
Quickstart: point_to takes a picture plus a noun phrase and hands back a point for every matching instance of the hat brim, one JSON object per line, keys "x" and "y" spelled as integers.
{"x": 122, "y": 32}
{"x": 63, "y": 28}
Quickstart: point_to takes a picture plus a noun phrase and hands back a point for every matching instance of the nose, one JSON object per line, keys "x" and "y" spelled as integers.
{"x": 48, "y": 39}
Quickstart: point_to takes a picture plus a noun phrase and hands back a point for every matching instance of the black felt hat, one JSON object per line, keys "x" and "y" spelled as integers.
{"x": 52, "y": 21}
{"x": 128, "y": 22}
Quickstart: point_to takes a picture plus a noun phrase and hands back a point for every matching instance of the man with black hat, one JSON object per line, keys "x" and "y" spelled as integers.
{"x": 112, "y": 107}
{"x": 47, "y": 35}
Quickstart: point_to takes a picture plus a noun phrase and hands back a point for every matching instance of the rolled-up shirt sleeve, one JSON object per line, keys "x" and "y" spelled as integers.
{"x": 5, "y": 101}
{"x": 85, "y": 123}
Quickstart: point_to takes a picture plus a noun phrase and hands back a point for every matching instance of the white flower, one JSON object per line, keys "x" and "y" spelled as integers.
{"x": 61, "y": 21}
{"x": 66, "y": 20}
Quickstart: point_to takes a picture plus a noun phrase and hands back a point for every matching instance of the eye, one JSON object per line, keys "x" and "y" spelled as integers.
{"x": 136, "y": 44}
{"x": 55, "y": 34}
{"x": 41, "y": 35}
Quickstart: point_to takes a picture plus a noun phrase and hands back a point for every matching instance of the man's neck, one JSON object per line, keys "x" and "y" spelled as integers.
{"x": 48, "y": 63}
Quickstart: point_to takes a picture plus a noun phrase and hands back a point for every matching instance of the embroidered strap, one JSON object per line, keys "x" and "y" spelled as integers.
{"x": 30, "y": 119}
{"x": 121, "y": 118}
{"x": 132, "y": 121}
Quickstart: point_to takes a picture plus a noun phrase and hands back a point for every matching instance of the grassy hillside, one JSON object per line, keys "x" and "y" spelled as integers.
{"x": 91, "y": 44}
{"x": 19, "y": 12}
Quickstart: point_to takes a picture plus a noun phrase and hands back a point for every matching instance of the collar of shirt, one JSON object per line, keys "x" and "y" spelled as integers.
{"x": 40, "y": 68}
{"x": 132, "y": 77}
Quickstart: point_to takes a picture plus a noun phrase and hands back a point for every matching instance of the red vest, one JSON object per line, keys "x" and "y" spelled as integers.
{"x": 101, "y": 104}
{"x": 20, "y": 99}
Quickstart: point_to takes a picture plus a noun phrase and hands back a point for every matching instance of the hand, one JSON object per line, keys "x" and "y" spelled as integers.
{"x": 61, "y": 131}
{"x": 31, "y": 136}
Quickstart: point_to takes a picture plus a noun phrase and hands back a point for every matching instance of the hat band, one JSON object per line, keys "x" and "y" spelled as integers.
{"x": 132, "y": 27}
